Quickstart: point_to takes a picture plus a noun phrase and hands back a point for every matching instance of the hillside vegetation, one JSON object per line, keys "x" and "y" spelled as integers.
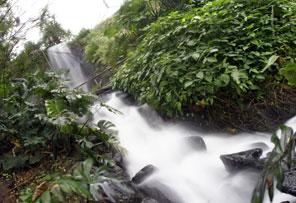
{"x": 217, "y": 60}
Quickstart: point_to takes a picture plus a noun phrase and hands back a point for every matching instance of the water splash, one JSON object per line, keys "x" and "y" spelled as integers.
{"x": 196, "y": 177}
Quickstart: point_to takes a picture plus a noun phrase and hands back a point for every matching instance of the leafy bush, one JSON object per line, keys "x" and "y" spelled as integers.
{"x": 52, "y": 31}
{"x": 111, "y": 41}
{"x": 81, "y": 39}
{"x": 105, "y": 47}
{"x": 41, "y": 114}
{"x": 79, "y": 185}
{"x": 30, "y": 60}
{"x": 227, "y": 46}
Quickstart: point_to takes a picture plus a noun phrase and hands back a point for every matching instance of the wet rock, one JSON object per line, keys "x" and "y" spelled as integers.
{"x": 289, "y": 184}
{"x": 116, "y": 192}
{"x": 197, "y": 143}
{"x": 151, "y": 116}
{"x": 126, "y": 98}
{"x": 143, "y": 174}
{"x": 243, "y": 160}
{"x": 159, "y": 192}
{"x": 154, "y": 191}
{"x": 118, "y": 158}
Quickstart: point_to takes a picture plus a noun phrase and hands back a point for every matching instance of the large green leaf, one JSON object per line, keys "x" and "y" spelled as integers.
{"x": 55, "y": 107}
{"x": 270, "y": 62}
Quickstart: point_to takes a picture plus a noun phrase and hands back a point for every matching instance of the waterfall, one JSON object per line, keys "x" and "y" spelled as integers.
{"x": 194, "y": 176}
{"x": 62, "y": 58}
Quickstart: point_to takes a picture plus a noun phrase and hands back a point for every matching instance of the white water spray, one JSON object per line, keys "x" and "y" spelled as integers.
{"x": 195, "y": 177}
{"x": 61, "y": 58}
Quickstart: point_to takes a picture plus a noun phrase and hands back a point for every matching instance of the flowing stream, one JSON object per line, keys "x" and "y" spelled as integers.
{"x": 192, "y": 176}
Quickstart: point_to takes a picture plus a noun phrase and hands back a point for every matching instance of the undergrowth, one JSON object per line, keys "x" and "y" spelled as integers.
{"x": 43, "y": 119}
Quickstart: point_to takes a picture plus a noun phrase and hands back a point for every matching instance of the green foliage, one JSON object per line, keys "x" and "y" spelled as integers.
{"x": 104, "y": 49}
{"x": 111, "y": 41}
{"x": 79, "y": 185}
{"x": 8, "y": 36}
{"x": 279, "y": 159}
{"x": 81, "y": 39}
{"x": 41, "y": 113}
{"x": 289, "y": 72}
{"x": 187, "y": 59}
{"x": 30, "y": 60}
{"x": 12, "y": 31}
{"x": 52, "y": 31}
{"x": 61, "y": 186}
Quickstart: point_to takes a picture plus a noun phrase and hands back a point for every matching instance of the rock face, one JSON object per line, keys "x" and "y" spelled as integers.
{"x": 159, "y": 192}
{"x": 118, "y": 158}
{"x": 151, "y": 116}
{"x": 126, "y": 98}
{"x": 197, "y": 143}
{"x": 118, "y": 192}
{"x": 289, "y": 184}
{"x": 143, "y": 174}
{"x": 249, "y": 159}
{"x": 154, "y": 191}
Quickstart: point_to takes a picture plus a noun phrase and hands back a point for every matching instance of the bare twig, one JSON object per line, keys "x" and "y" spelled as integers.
{"x": 106, "y": 4}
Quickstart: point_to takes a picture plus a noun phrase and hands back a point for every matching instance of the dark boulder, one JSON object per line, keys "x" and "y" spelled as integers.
{"x": 126, "y": 98}
{"x": 159, "y": 192}
{"x": 119, "y": 192}
{"x": 197, "y": 143}
{"x": 154, "y": 191}
{"x": 151, "y": 116}
{"x": 119, "y": 160}
{"x": 289, "y": 184}
{"x": 143, "y": 174}
{"x": 249, "y": 159}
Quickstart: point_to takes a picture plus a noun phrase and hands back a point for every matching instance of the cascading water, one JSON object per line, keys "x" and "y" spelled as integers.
{"x": 61, "y": 57}
{"x": 193, "y": 176}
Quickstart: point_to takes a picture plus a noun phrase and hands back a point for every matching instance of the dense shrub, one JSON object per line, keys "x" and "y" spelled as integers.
{"x": 106, "y": 44}
{"x": 40, "y": 114}
{"x": 30, "y": 60}
{"x": 231, "y": 46}
{"x": 111, "y": 41}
